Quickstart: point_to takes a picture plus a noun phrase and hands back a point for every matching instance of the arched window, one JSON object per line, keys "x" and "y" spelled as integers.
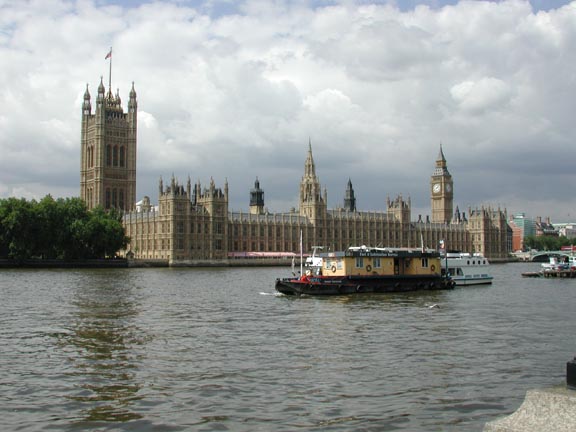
{"x": 121, "y": 199}
{"x": 114, "y": 198}
{"x": 108, "y": 155}
{"x": 121, "y": 156}
{"x": 115, "y": 156}
{"x": 107, "y": 198}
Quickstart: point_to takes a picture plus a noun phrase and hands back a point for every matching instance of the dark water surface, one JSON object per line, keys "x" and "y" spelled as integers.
{"x": 216, "y": 350}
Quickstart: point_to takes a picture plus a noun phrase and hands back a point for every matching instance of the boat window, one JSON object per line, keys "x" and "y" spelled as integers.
{"x": 459, "y": 272}
{"x": 424, "y": 262}
{"x": 359, "y": 262}
{"x": 377, "y": 263}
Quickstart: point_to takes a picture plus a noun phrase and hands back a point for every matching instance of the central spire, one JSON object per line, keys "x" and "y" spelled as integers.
{"x": 309, "y": 168}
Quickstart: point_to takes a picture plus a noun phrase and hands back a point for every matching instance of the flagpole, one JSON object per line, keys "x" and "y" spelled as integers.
{"x": 110, "y": 73}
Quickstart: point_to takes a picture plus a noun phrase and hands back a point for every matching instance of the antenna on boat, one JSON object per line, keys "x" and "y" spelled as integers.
{"x": 301, "y": 256}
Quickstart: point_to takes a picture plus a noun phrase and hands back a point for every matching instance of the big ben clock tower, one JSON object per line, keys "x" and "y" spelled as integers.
{"x": 442, "y": 193}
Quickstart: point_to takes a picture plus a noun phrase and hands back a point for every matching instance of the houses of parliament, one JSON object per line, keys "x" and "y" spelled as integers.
{"x": 192, "y": 222}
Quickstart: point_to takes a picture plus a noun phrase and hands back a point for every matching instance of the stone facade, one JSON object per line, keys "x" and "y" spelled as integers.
{"x": 108, "y": 151}
{"x": 194, "y": 223}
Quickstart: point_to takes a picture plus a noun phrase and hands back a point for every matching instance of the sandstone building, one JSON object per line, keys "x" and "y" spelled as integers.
{"x": 192, "y": 222}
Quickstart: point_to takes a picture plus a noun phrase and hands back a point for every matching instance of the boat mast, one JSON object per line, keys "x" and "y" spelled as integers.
{"x": 301, "y": 256}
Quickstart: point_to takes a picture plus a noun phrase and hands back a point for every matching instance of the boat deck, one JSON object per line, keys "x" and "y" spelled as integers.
{"x": 567, "y": 273}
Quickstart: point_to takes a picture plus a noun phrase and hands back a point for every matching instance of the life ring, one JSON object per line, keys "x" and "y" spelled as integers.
{"x": 433, "y": 267}
{"x": 368, "y": 268}
{"x": 333, "y": 268}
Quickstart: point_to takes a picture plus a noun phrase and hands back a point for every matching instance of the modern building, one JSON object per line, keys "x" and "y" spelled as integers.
{"x": 192, "y": 223}
{"x": 523, "y": 227}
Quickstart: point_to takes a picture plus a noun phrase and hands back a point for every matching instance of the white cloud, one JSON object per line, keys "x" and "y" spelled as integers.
{"x": 237, "y": 96}
{"x": 486, "y": 94}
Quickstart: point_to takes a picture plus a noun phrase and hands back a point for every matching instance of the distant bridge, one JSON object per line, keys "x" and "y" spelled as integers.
{"x": 542, "y": 255}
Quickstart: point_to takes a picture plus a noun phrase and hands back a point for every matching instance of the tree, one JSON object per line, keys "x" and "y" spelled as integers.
{"x": 17, "y": 228}
{"x": 62, "y": 229}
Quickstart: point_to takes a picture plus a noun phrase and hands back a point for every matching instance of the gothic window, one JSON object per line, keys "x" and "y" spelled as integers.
{"x": 108, "y": 155}
{"x": 114, "y": 197}
{"x": 122, "y": 156}
{"x": 121, "y": 199}
{"x": 115, "y": 155}
{"x": 107, "y": 198}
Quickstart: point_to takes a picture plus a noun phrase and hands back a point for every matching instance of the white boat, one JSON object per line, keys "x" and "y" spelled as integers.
{"x": 562, "y": 263}
{"x": 468, "y": 269}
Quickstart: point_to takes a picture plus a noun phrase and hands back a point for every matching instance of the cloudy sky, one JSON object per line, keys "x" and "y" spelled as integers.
{"x": 236, "y": 89}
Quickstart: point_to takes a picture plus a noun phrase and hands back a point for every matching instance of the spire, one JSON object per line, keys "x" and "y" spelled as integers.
{"x": 441, "y": 167}
{"x": 132, "y": 104}
{"x": 309, "y": 168}
{"x": 441, "y": 154}
{"x": 86, "y": 106}
{"x": 118, "y": 100}
{"x": 101, "y": 89}
{"x": 256, "y": 198}
{"x": 349, "y": 198}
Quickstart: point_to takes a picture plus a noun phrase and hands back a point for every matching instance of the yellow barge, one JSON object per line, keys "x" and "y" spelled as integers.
{"x": 369, "y": 270}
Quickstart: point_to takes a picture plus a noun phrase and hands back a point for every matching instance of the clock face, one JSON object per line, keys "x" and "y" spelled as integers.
{"x": 448, "y": 187}
{"x": 436, "y": 188}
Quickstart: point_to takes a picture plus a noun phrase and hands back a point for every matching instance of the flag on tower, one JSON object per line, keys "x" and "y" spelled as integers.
{"x": 108, "y": 55}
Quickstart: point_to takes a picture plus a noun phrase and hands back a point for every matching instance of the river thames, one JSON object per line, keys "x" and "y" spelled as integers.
{"x": 217, "y": 350}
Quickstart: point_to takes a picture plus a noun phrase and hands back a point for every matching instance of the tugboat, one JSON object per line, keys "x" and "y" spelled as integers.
{"x": 369, "y": 270}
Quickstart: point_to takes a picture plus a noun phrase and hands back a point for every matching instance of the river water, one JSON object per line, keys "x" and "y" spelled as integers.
{"x": 217, "y": 350}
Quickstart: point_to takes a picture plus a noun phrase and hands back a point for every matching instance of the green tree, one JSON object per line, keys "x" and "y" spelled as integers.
{"x": 17, "y": 221}
{"x": 61, "y": 228}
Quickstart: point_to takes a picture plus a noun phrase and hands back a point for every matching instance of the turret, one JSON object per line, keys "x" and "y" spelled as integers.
{"x": 256, "y": 199}
{"x": 101, "y": 91}
{"x": 349, "y": 198}
{"x": 86, "y": 106}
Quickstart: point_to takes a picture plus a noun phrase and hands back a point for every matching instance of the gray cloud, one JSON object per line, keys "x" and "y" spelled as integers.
{"x": 238, "y": 95}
